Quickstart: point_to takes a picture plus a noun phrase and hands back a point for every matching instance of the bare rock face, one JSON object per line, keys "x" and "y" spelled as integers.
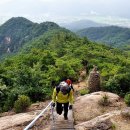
{"x": 9, "y": 121}
{"x": 7, "y": 40}
{"x": 99, "y": 125}
{"x": 15, "y": 120}
{"x": 126, "y": 112}
{"x": 87, "y": 107}
{"x": 90, "y": 115}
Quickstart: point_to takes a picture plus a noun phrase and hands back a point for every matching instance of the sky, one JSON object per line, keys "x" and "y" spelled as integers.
{"x": 63, "y": 11}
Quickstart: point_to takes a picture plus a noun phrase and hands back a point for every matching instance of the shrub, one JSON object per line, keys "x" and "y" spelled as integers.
{"x": 113, "y": 85}
{"x": 22, "y": 103}
{"x": 84, "y": 91}
{"x": 119, "y": 84}
{"x": 9, "y": 103}
{"x": 127, "y": 99}
{"x": 113, "y": 126}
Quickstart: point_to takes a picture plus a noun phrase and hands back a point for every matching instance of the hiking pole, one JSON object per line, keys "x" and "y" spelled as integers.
{"x": 52, "y": 113}
{"x": 53, "y": 118}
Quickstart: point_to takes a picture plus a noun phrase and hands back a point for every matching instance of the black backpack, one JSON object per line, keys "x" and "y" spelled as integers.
{"x": 58, "y": 89}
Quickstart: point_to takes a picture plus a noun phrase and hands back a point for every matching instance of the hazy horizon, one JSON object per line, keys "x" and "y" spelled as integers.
{"x": 101, "y": 11}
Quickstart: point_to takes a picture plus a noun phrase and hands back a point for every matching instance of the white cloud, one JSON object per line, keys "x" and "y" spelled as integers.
{"x": 66, "y": 10}
{"x": 5, "y": 1}
{"x": 112, "y": 20}
{"x": 93, "y": 13}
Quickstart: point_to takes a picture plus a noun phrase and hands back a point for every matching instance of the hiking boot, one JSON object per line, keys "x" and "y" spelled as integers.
{"x": 59, "y": 113}
{"x": 65, "y": 117}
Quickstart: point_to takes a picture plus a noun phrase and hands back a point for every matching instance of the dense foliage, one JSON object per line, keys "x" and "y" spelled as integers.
{"x": 111, "y": 35}
{"x": 57, "y": 55}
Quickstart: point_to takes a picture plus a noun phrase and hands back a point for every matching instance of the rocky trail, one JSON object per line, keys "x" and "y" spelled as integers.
{"x": 88, "y": 114}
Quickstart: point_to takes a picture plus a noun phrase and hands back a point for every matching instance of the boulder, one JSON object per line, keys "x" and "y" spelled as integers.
{"x": 126, "y": 112}
{"x": 94, "y": 80}
{"x": 15, "y": 120}
{"x": 99, "y": 123}
{"x": 87, "y": 107}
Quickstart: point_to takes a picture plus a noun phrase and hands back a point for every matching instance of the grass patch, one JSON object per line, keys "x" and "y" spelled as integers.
{"x": 104, "y": 101}
{"x": 84, "y": 91}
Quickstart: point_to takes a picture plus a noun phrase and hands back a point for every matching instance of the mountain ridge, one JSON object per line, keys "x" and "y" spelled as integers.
{"x": 81, "y": 24}
{"x": 18, "y": 30}
{"x": 111, "y": 35}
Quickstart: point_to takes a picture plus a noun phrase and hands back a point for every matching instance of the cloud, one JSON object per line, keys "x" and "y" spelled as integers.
{"x": 93, "y": 13}
{"x": 65, "y": 10}
{"x": 2, "y": 2}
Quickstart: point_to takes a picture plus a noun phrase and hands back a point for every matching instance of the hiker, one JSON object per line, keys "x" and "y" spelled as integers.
{"x": 69, "y": 82}
{"x": 62, "y": 97}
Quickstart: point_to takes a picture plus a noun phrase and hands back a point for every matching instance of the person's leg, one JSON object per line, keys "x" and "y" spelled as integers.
{"x": 66, "y": 110}
{"x": 59, "y": 108}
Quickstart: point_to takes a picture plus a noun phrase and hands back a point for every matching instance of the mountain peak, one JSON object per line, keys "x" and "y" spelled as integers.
{"x": 18, "y": 30}
{"x": 17, "y": 20}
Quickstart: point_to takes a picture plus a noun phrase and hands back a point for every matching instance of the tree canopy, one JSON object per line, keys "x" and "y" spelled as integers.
{"x": 54, "y": 56}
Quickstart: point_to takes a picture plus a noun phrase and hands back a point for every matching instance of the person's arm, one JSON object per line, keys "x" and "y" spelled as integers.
{"x": 72, "y": 87}
{"x": 54, "y": 95}
{"x": 71, "y": 97}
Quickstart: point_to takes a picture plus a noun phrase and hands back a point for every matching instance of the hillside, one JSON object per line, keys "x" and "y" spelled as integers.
{"x": 55, "y": 56}
{"x": 112, "y": 35}
{"x": 16, "y": 31}
{"x": 81, "y": 24}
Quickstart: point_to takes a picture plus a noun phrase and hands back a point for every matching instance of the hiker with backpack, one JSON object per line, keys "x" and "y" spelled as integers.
{"x": 62, "y": 98}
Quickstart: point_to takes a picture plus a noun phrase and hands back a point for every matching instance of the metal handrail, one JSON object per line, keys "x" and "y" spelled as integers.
{"x": 36, "y": 118}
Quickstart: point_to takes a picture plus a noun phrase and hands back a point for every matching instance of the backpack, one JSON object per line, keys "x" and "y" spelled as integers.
{"x": 58, "y": 90}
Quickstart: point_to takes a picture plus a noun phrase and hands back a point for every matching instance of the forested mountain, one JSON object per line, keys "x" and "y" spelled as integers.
{"x": 54, "y": 56}
{"x": 16, "y": 31}
{"x": 111, "y": 35}
{"x": 81, "y": 24}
